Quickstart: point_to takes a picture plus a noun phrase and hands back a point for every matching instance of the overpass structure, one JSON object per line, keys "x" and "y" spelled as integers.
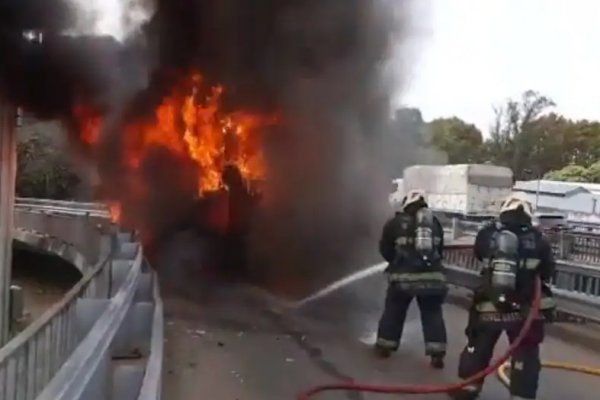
{"x": 109, "y": 337}
{"x": 103, "y": 340}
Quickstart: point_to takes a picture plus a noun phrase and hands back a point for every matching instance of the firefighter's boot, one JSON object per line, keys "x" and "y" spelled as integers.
{"x": 437, "y": 361}
{"x": 382, "y": 352}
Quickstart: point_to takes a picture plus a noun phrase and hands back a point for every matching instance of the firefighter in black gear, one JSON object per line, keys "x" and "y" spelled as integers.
{"x": 514, "y": 253}
{"x": 412, "y": 243}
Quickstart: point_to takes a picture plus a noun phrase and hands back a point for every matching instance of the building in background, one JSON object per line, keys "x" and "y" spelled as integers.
{"x": 578, "y": 201}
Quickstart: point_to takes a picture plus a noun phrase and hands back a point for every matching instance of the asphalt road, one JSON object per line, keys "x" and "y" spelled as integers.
{"x": 233, "y": 342}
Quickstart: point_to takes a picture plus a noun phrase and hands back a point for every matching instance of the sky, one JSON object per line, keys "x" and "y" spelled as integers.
{"x": 467, "y": 55}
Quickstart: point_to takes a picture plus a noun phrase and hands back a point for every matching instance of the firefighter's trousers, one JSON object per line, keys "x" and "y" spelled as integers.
{"x": 525, "y": 362}
{"x": 392, "y": 321}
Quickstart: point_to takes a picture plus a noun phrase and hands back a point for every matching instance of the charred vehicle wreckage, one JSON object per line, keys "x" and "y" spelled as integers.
{"x": 223, "y": 218}
{"x": 154, "y": 105}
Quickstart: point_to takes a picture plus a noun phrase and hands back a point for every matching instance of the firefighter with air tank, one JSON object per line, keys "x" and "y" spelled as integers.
{"x": 412, "y": 243}
{"x": 514, "y": 254}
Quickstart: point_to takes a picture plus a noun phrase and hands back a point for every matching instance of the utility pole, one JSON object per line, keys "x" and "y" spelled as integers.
{"x": 537, "y": 192}
{"x": 8, "y": 166}
{"x": 538, "y": 177}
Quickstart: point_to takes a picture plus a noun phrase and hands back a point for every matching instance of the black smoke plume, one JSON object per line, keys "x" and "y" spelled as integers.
{"x": 320, "y": 63}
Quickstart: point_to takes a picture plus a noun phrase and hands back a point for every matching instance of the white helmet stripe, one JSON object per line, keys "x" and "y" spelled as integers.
{"x": 513, "y": 202}
{"x": 413, "y": 196}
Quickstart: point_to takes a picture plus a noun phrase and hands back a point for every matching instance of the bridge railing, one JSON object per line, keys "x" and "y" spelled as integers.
{"x": 71, "y": 208}
{"x": 69, "y": 205}
{"x": 30, "y": 360}
{"x": 575, "y": 286}
{"x": 113, "y": 313}
{"x": 574, "y": 246}
{"x": 119, "y": 315}
{"x": 126, "y": 327}
{"x": 108, "y": 325}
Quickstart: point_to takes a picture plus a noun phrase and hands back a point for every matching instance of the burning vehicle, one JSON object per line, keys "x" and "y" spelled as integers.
{"x": 185, "y": 107}
{"x": 219, "y": 154}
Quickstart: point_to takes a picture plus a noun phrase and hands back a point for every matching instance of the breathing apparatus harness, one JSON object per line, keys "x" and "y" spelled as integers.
{"x": 424, "y": 237}
{"x": 422, "y": 242}
{"x": 503, "y": 269}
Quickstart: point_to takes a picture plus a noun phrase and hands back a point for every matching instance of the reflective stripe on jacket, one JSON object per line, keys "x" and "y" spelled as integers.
{"x": 547, "y": 303}
{"x": 528, "y": 263}
{"x": 416, "y": 276}
{"x": 419, "y": 283}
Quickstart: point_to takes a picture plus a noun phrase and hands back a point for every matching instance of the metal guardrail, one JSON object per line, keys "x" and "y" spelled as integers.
{"x": 87, "y": 365}
{"x": 67, "y": 353}
{"x": 567, "y": 245}
{"x": 575, "y": 286}
{"x": 62, "y": 207}
{"x": 114, "y": 311}
{"x": 30, "y": 359}
{"x": 69, "y": 205}
{"x": 152, "y": 384}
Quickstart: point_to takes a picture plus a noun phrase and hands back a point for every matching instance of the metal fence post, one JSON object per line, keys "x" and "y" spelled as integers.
{"x": 565, "y": 242}
{"x": 8, "y": 167}
{"x": 455, "y": 228}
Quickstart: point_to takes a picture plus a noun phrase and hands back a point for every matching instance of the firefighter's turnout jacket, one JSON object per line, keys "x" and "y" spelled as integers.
{"x": 408, "y": 268}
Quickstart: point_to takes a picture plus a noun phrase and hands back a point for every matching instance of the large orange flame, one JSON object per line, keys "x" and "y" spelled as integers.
{"x": 190, "y": 122}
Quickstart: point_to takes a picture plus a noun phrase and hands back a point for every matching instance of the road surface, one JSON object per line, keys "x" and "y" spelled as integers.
{"x": 232, "y": 342}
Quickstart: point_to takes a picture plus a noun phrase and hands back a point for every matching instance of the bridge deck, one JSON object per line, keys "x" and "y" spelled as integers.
{"x": 227, "y": 343}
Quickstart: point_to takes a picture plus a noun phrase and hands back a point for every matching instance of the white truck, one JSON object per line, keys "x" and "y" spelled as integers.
{"x": 469, "y": 191}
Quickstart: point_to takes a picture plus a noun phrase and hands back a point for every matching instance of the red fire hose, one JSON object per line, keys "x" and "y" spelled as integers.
{"x": 431, "y": 388}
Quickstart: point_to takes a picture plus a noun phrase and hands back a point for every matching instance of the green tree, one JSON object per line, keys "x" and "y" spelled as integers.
{"x": 583, "y": 142}
{"x": 513, "y": 135}
{"x": 461, "y": 141}
{"x": 593, "y": 172}
{"x": 43, "y": 171}
{"x": 570, "y": 173}
{"x": 525, "y": 136}
{"x": 550, "y": 139}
